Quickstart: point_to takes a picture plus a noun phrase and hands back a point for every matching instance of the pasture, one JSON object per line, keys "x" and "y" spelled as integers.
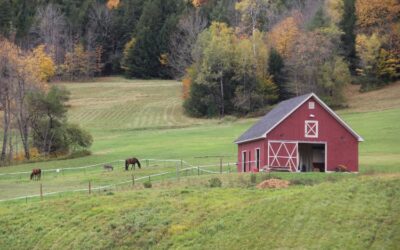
{"x": 144, "y": 118}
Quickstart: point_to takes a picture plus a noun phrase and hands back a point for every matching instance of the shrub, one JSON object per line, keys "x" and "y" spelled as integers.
{"x": 78, "y": 138}
{"x": 147, "y": 184}
{"x": 215, "y": 182}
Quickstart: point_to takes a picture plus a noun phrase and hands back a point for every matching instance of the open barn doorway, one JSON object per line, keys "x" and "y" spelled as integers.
{"x": 312, "y": 157}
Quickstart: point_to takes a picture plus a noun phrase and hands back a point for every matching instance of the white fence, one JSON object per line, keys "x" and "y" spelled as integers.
{"x": 175, "y": 174}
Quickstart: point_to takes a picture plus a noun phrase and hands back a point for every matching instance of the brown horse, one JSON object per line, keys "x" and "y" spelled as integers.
{"x": 36, "y": 174}
{"x": 132, "y": 161}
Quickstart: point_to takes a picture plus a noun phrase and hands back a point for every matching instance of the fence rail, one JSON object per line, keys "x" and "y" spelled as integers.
{"x": 176, "y": 174}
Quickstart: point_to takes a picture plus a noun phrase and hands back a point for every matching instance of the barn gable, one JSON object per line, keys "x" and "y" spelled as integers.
{"x": 280, "y": 113}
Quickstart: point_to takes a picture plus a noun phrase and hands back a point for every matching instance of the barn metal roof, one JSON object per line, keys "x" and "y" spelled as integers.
{"x": 279, "y": 113}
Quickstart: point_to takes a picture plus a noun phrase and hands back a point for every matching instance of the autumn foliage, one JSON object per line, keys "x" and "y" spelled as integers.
{"x": 198, "y": 3}
{"x": 112, "y": 4}
{"x": 284, "y": 35}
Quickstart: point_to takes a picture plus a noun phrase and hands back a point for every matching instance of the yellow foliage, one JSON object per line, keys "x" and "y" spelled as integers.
{"x": 127, "y": 48}
{"x": 368, "y": 48}
{"x": 112, "y": 4}
{"x": 388, "y": 64}
{"x": 33, "y": 152}
{"x": 335, "y": 10}
{"x": 283, "y": 36}
{"x": 80, "y": 63}
{"x": 25, "y": 66}
{"x": 45, "y": 63}
{"x": 164, "y": 59}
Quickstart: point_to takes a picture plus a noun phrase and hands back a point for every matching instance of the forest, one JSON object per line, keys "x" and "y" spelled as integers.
{"x": 234, "y": 57}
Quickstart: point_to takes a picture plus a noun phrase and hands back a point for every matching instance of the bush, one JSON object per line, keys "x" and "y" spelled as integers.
{"x": 253, "y": 178}
{"x": 215, "y": 182}
{"x": 78, "y": 138}
{"x": 147, "y": 184}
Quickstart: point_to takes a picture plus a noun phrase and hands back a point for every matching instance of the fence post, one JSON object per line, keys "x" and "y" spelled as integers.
{"x": 26, "y": 200}
{"x": 220, "y": 165}
{"x": 177, "y": 171}
{"x": 149, "y": 178}
{"x": 90, "y": 187}
{"x": 147, "y": 163}
{"x": 229, "y": 167}
{"x": 41, "y": 191}
{"x": 198, "y": 170}
{"x": 133, "y": 180}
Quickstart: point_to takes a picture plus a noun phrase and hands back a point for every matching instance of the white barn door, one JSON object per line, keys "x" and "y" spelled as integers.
{"x": 282, "y": 154}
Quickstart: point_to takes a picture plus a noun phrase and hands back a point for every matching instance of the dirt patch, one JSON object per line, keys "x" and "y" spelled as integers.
{"x": 273, "y": 183}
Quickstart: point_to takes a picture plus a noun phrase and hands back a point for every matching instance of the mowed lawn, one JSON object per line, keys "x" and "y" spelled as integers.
{"x": 144, "y": 118}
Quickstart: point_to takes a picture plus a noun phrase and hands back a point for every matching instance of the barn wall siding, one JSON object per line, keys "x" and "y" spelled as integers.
{"x": 251, "y": 147}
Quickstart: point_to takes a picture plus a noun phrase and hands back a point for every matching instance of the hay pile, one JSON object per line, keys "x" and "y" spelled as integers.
{"x": 273, "y": 183}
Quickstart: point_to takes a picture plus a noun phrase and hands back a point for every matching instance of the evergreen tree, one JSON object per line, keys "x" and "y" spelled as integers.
{"x": 348, "y": 25}
{"x": 275, "y": 67}
{"x": 5, "y": 17}
{"x": 152, "y": 34}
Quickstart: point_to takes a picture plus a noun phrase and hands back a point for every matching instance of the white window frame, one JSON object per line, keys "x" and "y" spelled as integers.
{"x": 311, "y": 105}
{"x": 244, "y": 160}
{"x": 307, "y": 129}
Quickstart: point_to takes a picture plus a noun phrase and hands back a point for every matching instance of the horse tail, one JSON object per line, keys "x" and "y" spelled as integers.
{"x": 138, "y": 162}
{"x": 126, "y": 165}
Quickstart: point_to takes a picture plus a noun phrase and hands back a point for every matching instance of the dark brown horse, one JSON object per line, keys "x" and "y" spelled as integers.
{"x": 132, "y": 161}
{"x": 36, "y": 174}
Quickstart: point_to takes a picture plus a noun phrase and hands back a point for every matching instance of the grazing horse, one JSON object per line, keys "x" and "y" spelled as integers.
{"x": 36, "y": 174}
{"x": 108, "y": 167}
{"x": 132, "y": 161}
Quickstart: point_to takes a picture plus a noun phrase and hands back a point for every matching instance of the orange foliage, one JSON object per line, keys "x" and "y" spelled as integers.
{"x": 198, "y": 3}
{"x": 376, "y": 12}
{"x": 186, "y": 82}
{"x": 112, "y": 4}
{"x": 20, "y": 156}
{"x": 284, "y": 34}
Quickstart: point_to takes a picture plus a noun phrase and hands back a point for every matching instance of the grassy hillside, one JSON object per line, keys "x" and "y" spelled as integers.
{"x": 353, "y": 214}
{"x": 145, "y": 119}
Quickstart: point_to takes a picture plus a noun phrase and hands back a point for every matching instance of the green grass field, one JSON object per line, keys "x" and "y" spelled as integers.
{"x": 145, "y": 119}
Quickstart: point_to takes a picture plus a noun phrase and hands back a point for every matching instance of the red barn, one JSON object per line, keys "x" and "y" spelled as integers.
{"x": 299, "y": 135}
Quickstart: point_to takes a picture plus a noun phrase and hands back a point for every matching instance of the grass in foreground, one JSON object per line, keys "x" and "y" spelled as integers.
{"x": 197, "y": 217}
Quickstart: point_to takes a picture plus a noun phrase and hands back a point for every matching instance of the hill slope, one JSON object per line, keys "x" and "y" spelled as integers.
{"x": 314, "y": 217}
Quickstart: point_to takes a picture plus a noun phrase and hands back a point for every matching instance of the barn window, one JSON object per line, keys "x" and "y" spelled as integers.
{"x": 311, "y": 129}
{"x": 311, "y": 105}
{"x": 244, "y": 161}
{"x": 257, "y": 158}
